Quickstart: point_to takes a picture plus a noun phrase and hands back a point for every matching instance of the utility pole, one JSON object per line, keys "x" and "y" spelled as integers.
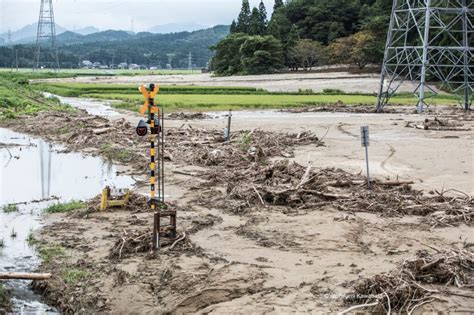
{"x": 46, "y": 34}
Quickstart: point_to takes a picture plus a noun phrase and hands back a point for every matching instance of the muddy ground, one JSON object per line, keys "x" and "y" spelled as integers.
{"x": 263, "y": 234}
{"x": 345, "y": 81}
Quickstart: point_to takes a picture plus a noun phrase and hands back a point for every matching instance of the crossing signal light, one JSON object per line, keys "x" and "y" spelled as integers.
{"x": 142, "y": 128}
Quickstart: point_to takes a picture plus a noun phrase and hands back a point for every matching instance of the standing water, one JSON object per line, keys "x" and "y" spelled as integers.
{"x": 34, "y": 175}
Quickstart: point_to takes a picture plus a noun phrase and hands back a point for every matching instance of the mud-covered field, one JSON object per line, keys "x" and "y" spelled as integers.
{"x": 345, "y": 81}
{"x": 277, "y": 220}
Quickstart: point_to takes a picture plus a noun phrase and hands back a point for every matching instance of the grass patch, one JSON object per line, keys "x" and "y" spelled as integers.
{"x": 245, "y": 141}
{"x": 199, "y": 102}
{"x": 48, "y": 252}
{"x": 115, "y": 154}
{"x": 82, "y": 89}
{"x": 18, "y": 99}
{"x": 5, "y": 303}
{"x": 10, "y": 208}
{"x": 209, "y": 98}
{"x": 73, "y": 276}
{"x": 65, "y": 207}
{"x": 31, "y": 240}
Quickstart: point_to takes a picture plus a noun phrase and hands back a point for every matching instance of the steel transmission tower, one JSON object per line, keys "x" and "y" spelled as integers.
{"x": 190, "y": 61}
{"x": 429, "y": 40}
{"x": 46, "y": 36}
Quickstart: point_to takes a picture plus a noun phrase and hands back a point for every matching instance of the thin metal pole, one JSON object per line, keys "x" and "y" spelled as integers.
{"x": 156, "y": 215}
{"x": 162, "y": 174}
{"x": 229, "y": 122}
{"x": 367, "y": 164}
{"x": 421, "y": 101}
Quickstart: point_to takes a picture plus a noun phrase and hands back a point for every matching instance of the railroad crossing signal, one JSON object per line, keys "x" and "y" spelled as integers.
{"x": 154, "y": 125}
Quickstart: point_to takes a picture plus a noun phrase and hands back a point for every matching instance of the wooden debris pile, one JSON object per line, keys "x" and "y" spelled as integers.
{"x": 340, "y": 107}
{"x": 207, "y": 147}
{"x": 188, "y": 116}
{"x": 131, "y": 242}
{"x": 438, "y": 124}
{"x": 411, "y": 284}
{"x": 285, "y": 183}
{"x": 452, "y": 215}
{"x": 134, "y": 242}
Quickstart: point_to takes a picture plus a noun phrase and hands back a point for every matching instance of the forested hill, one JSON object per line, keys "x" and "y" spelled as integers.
{"x": 114, "y": 47}
{"x": 304, "y": 34}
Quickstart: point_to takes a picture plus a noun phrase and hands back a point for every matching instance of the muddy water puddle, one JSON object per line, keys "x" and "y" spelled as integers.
{"x": 34, "y": 175}
{"x": 92, "y": 107}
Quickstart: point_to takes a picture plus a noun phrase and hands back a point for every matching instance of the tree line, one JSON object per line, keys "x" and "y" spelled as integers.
{"x": 302, "y": 34}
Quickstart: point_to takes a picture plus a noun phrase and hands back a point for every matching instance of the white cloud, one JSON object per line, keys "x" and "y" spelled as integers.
{"x": 118, "y": 14}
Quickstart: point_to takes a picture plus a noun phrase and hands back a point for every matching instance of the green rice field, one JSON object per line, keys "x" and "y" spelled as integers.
{"x": 203, "y": 98}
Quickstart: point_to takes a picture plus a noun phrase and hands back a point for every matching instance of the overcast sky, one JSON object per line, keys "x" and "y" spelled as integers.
{"x": 118, "y": 14}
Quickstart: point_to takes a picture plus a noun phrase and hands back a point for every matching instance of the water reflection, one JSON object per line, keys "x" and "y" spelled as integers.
{"x": 34, "y": 170}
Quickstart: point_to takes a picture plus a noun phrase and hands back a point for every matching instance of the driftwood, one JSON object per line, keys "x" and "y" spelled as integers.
{"x": 102, "y": 131}
{"x": 438, "y": 124}
{"x": 396, "y": 183}
{"x": 24, "y": 276}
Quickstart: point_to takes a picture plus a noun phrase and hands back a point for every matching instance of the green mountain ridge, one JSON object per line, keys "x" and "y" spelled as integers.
{"x": 114, "y": 47}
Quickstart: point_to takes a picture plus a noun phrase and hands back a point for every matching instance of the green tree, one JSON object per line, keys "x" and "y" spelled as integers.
{"x": 358, "y": 49}
{"x": 340, "y": 50}
{"x": 307, "y": 54}
{"x": 243, "y": 21}
{"x": 233, "y": 27}
{"x": 254, "y": 27}
{"x": 261, "y": 54}
{"x": 293, "y": 38}
{"x": 278, "y": 4}
{"x": 279, "y": 26}
{"x": 324, "y": 20}
{"x": 263, "y": 18}
{"x": 364, "y": 49}
{"x": 227, "y": 59}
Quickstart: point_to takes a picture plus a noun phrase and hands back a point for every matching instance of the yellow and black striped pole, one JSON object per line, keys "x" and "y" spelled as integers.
{"x": 155, "y": 129}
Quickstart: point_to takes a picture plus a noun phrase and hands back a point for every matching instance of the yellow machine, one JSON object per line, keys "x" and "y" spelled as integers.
{"x": 114, "y": 198}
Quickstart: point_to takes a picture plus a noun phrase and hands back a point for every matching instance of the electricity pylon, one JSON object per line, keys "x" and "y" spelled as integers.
{"x": 190, "y": 61}
{"x": 46, "y": 36}
{"x": 429, "y": 40}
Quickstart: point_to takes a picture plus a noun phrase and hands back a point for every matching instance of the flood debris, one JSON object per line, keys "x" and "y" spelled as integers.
{"x": 117, "y": 141}
{"x": 208, "y": 148}
{"x": 134, "y": 242}
{"x": 438, "y": 124}
{"x": 188, "y": 116}
{"x": 289, "y": 184}
{"x": 340, "y": 107}
{"x": 415, "y": 281}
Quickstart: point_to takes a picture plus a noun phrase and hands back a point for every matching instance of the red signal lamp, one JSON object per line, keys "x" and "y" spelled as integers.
{"x": 142, "y": 128}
